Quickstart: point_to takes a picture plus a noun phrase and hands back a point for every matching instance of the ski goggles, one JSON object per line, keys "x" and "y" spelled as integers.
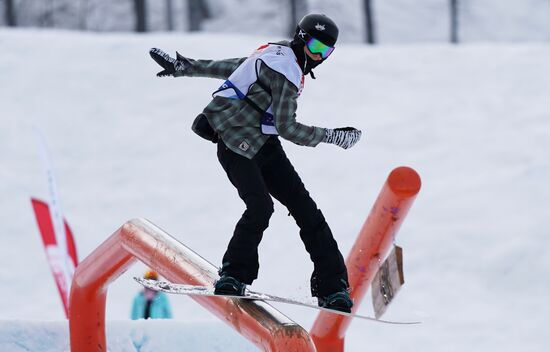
{"x": 317, "y": 47}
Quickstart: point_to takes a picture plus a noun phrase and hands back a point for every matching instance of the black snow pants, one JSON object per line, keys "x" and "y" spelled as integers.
{"x": 271, "y": 173}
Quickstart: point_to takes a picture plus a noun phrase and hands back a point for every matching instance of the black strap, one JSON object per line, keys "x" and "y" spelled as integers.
{"x": 254, "y": 105}
{"x": 264, "y": 87}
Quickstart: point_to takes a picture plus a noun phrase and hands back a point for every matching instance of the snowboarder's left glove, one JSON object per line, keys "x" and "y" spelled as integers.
{"x": 344, "y": 137}
{"x": 169, "y": 64}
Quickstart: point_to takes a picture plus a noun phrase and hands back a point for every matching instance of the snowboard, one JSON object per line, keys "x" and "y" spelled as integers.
{"x": 192, "y": 290}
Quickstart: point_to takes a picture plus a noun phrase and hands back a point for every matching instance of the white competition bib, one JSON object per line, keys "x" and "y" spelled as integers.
{"x": 279, "y": 58}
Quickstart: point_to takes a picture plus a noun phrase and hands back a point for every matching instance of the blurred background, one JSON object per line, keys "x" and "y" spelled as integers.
{"x": 371, "y": 21}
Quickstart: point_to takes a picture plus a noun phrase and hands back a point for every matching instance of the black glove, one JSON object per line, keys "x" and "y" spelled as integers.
{"x": 344, "y": 137}
{"x": 169, "y": 64}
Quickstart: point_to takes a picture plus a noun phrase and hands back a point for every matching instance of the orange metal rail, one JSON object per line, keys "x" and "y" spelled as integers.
{"x": 369, "y": 250}
{"x": 139, "y": 239}
{"x": 255, "y": 320}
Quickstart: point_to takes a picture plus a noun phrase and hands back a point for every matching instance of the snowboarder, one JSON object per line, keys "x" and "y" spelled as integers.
{"x": 256, "y": 104}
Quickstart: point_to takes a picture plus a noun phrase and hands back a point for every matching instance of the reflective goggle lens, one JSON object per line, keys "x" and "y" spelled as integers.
{"x": 316, "y": 47}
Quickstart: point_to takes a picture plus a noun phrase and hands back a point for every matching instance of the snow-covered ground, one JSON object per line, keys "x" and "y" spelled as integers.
{"x": 125, "y": 336}
{"x": 473, "y": 120}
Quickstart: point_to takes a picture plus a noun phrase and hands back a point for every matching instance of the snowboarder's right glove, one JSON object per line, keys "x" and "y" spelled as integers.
{"x": 345, "y": 137}
{"x": 169, "y": 64}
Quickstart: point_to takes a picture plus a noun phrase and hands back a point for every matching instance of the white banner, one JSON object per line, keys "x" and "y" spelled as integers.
{"x": 67, "y": 268}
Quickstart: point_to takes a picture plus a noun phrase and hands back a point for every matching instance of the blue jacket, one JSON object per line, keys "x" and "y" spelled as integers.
{"x": 160, "y": 307}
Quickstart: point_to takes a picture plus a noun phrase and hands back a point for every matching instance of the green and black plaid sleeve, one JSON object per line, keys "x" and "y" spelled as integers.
{"x": 211, "y": 68}
{"x": 284, "y": 95}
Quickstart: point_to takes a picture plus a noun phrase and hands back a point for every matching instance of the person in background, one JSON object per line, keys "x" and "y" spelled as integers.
{"x": 150, "y": 303}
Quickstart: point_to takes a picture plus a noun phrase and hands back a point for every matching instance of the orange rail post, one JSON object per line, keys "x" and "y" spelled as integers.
{"x": 370, "y": 248}
{"x": 139, "y": 239}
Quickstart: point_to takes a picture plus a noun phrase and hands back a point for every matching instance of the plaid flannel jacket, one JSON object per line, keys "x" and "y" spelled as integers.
{"x": 238, "y": 122}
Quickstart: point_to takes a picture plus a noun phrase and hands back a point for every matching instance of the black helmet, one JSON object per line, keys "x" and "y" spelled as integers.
{"x": 319, "y": 27}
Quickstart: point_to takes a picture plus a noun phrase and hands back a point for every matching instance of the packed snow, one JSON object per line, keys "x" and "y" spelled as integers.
{"x": 473, "y": 120}
{"x": 125, "y": 336}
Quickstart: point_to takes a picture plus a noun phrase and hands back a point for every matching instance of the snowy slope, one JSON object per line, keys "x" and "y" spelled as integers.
{"x": 473, "y": 120}
{"x": 125, "y": 336}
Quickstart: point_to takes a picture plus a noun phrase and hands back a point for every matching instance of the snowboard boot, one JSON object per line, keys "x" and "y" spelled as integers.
{"x": 340, "y": 301}
{"x": 229, "y": 286}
